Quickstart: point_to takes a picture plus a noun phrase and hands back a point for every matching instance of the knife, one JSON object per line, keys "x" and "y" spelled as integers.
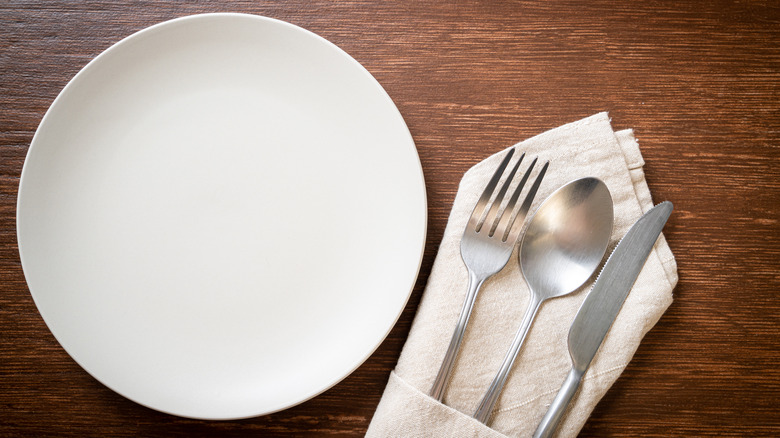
{"x": 602, "y": 305}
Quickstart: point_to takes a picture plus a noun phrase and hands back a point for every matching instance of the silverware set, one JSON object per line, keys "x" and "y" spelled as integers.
{"x": 486, "y": 246}
{"x": 563, "y": 244}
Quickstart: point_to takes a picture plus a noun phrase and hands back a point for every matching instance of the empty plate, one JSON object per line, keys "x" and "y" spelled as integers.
{"x": 221, "y": 216}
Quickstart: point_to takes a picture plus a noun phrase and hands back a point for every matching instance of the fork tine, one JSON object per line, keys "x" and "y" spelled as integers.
{"x": 491, "y": 216}
{"x": 513, "y": 231}
{"x": 508, "y": 213}
{"x": 479, "y": 209}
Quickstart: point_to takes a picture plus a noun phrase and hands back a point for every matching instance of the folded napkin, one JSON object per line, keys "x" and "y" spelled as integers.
{"x": 588, "y": 147}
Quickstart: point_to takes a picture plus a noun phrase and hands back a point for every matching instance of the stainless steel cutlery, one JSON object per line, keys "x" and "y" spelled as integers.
{"x": 602, "y": 305}
{"x": 486, "y": 245}
{"x": 563, "y": 245}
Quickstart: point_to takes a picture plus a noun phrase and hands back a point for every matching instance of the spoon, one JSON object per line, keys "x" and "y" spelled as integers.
{"x": 564, "y": 243}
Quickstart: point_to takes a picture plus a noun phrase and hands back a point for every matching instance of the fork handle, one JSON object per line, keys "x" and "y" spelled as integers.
{"x": 437, "y": 390}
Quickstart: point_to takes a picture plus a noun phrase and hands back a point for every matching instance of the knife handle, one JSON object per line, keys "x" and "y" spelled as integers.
{"x": 558, "y": 405}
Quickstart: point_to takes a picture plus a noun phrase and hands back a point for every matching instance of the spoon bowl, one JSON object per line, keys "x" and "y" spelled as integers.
{"x": 562, "y": 247}
{"x": 567, "y": 238}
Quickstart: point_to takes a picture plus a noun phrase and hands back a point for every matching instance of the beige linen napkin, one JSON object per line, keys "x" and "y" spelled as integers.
{"x": 588, "y": 147}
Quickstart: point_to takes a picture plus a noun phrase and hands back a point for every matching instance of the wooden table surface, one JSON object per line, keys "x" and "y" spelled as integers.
{"x": 699, "y": 82}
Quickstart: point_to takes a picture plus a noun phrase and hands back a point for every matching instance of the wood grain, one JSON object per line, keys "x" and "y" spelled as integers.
{"x": 699, "y": 82}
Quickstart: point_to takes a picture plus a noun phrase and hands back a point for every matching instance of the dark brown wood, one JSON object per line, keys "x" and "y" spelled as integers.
{"x": 698, "y": 81}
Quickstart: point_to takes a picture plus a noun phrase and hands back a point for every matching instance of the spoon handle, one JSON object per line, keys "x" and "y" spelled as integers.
{"x": 437, "y": 391}
{"x": 491, "y": 396}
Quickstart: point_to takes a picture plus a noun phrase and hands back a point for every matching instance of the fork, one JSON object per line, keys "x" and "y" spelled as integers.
{"x": 486, "y": 246}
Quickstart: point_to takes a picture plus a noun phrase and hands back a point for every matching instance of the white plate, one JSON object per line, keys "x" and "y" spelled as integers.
{"x": 221, "y": 216}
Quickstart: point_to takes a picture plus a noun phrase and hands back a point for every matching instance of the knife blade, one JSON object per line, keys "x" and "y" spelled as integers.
{"x": 600, "y": 308}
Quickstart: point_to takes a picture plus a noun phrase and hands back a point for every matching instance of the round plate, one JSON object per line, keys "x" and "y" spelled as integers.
{"x": 221, "y": 216}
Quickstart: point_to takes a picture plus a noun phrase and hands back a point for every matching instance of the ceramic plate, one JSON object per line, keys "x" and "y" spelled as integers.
{"x": 221, "y": 216}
